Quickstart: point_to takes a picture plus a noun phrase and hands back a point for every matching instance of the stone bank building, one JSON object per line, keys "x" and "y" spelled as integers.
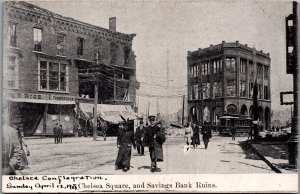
{"x": 47, "y": 61}
{"x": 226, "y": 74}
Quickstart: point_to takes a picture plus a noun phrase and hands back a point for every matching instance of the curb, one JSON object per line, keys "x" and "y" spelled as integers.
{"x": 273, "y": 167}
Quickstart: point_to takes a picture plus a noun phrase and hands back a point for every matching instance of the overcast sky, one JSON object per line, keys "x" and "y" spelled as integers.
{"x": 166, "y": 30}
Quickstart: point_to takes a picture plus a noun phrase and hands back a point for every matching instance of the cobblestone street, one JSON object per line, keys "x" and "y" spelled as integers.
{"x": 82, "y": 155}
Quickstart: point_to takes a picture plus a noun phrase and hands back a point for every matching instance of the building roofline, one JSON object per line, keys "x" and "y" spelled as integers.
{"x": 38, "y": 10}
{"x": 229, "y": 45}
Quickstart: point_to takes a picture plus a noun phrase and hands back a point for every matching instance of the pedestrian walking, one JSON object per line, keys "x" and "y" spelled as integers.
{"x": 277, "y": 128}
{"x": 188, "y": 135}
{"x": 56, "y": 130}
{"x": 124, "y": 142}
{"x": 25, "y": 151}
{"x": 273, "y": 128}
{"x": 139, "y": 134}
{"x": 61, "y": 133}
{"x": 154, "y": 138}
{"x": 233, "y": 132}
{"x": 104, "y": 128}
{"x": 206, "y": 134}
{"x": 11, "y": 151}
{"x": 195, "y": 137}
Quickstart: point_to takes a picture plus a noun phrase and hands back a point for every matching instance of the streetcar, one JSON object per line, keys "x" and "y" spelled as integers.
{"x": 242, "y": 124}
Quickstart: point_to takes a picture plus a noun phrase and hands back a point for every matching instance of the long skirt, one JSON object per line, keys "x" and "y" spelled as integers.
{"x": 196, "y": 139}
{"x": 158, "y": 152}
{"x": 124, "y": 156}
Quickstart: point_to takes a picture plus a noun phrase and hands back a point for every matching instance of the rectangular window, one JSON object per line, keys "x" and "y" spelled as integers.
{"x": 242, "y": 89}
{"x": 60, "y": 43}
{"x": 79, "y": 46}
{"x": 231, "y": 88}
{"x": 37, "y": 38}
{"x": 231, "y": 65}
{"x": 266, "y": 72}
{"x": 205, "y": 68}
{"x": 217, "y": 66}
{"x": 243, "y": 64}
{"x": 251, "y": 85}
{"x": 259, "y": 91}
{"x": 251, "y": 67}
{"x": 12, "y": 35}
{"x": 205, "y": 90}
{"x": 12, "y": 73}
{"x": 217, "y": 89}
{"x": 266, "y": 92}
{"x": 259, "y": 70}
{"x": 53, "y": 76}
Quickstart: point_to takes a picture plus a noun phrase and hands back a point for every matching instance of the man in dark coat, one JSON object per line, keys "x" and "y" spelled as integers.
{"x": 195, "y": 138}
{"x": 56, "y": 131}
{"x": 206, "y": 134}
{"x": 139, "y": 134}
{"x": 11, "y": 151}
{"x": 154, "y": 139}
{"x": 124, "y": 142}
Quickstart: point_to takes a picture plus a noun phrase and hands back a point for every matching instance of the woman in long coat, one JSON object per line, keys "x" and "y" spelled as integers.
{"x": 125, "y": 141}
{"x": 195, "y": 138}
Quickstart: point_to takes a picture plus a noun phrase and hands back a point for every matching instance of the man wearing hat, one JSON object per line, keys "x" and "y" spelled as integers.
{"x": 139, "y": 134}
{"x": 150, "y": 139}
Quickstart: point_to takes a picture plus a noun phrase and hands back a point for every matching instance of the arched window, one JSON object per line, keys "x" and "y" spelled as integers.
{"x": 244, "y": 110}
{"x": 231, "y": 109}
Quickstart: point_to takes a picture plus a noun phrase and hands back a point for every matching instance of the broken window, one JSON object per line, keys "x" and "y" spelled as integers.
{"x": 79, "y": 46}
{"x": 37, "y": 38}
{"x": 60, "y": 44}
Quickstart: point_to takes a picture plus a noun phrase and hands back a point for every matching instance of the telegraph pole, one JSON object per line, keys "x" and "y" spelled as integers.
{"x": 95, "y": 110}
{"x": 183, "y": 98}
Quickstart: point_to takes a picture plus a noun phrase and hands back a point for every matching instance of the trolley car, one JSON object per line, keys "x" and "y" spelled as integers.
{"x": 242, "y": 124}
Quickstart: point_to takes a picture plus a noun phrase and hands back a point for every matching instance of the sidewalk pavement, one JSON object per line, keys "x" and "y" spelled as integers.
{"x": 275, "y": 154}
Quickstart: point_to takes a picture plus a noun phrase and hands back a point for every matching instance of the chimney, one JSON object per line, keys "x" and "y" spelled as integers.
{"x": 113, "y": 24}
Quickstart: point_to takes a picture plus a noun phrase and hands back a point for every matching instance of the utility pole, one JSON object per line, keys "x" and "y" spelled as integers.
{"x": 168, "y": 84}
{"x": 292, "y": 68}
{"x": 95, "y": 110}
{"x": 183, "y": 98}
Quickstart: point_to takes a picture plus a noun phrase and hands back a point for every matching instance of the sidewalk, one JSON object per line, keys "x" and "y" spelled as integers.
{"x": 275, "y": 154}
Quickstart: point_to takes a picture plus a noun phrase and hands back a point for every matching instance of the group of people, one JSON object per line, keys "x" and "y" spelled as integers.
{"x": 152, "y": 136}
{"x": 58, "y": 133}
{"x": 273, "y": 129}
{"x": 14, "y": 151}
{"x": 192, "y": 135}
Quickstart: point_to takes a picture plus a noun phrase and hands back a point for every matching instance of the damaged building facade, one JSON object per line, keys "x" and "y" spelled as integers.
{"x": 221, "y": 80}
{"x": 48, "y": 61}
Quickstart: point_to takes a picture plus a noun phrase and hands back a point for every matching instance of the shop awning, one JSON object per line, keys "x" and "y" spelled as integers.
{"x": 108, "y": 112}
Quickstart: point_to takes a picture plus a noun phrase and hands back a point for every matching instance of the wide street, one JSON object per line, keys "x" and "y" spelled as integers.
{"x": 82, "y": 155}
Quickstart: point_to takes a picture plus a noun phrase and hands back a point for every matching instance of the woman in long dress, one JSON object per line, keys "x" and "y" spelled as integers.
{"x": 125, "y": 141}
{"x": 195, "y": 138}
{"x": 188, "y": 135}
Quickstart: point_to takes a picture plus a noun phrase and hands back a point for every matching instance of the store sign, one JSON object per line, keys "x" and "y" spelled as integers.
{"x": 62, "y": 97}
{"x": 41, "y": 98}
{"x": 27, "y": 95}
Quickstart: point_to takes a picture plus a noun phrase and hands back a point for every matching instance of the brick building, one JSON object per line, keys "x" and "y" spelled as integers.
{"x": 227, "y": 75}
{"x": 46, "y": 56}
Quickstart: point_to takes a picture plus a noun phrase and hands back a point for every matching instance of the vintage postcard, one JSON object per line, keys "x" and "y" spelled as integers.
{"x": 150, "y": 96}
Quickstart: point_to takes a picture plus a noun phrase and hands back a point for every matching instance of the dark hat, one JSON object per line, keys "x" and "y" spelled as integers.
{"x": 123, "y": 122}
{"x": 151, "y": 118}
{"x": 159, "y": 122}
{"x": 141, "y": 122}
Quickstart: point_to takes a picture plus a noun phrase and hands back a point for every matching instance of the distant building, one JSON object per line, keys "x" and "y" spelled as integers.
{"x": 48, "y": 59}
{"x": 225, "y": 75}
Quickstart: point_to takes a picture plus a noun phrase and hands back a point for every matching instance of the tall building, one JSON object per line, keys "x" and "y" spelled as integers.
{"x": 48, "y": 59}
{"x": 221, "y": 79}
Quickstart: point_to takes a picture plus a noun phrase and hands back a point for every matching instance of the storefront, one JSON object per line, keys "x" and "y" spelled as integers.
{"x": 111, "y": 114}
{"x": 38, "y": 113}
